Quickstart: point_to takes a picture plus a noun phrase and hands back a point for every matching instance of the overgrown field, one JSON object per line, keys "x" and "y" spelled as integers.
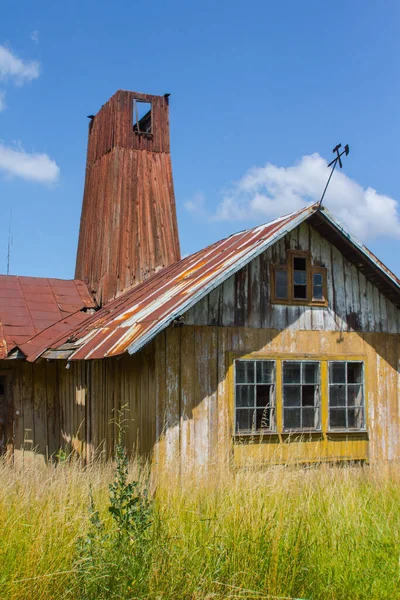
{"x": 314, "y": 533}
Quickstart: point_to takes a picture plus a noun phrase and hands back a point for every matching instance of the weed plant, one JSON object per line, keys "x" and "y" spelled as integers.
{"x": 322, "y": 533}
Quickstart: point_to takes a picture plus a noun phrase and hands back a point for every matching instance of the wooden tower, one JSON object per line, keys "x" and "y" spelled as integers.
{"x": 128, "y": 227}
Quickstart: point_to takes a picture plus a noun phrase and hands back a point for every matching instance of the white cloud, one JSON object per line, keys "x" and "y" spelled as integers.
{"x": 270, "y": 191}
{"x": 15, "y": 69}
{"x": 35, "y": 37}
{"x": 197, "y": 205}
{"x": 31, "y": 166}
{"x": 3, "y": 104}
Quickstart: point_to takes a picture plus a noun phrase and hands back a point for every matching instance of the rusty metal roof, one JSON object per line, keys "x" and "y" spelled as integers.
{"x": 131, "y": 320}
{"x": 134, "y": 318}
{"x": 29, "y": 305}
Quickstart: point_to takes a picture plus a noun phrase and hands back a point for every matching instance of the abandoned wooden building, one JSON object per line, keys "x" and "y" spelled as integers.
{"x": 279, "y": 343}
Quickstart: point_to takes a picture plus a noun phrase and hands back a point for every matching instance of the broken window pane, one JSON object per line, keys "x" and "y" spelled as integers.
{"x": 244, "y": 371}
{"x": 281, "y": 286}
{"x": 263, "y": 395}
{"x": 142, "y": 117}
{"x": 308, "y": 395}
{"x": 354, "y": 372}
{"x": 263, "y": 418}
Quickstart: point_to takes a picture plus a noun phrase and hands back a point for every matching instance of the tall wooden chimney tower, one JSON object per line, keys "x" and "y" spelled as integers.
{"x": 128, "y": 227}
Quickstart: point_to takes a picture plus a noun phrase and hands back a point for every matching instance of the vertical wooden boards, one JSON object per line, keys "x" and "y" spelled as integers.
{"x": 26, "y": 381}
{"x": 172, "y": 385}
{"x": 53, "y": 409}
{"x": 188, "y": 394}
{"x": 243, "y": 300}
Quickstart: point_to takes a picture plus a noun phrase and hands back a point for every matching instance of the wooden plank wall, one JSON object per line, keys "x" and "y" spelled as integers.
{"x": 192, "y": 386}
{"x": 175, "y": 395}
{"x": 353, "y": 302}
{"x": 76, "y": 408}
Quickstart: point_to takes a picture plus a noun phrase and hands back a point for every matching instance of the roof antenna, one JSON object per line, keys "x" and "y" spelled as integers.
{"x": 9, "y": 244}
{"x": 335, "y": 161}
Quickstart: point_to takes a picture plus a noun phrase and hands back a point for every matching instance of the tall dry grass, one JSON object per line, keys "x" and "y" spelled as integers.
{"x": 315, "y": 533}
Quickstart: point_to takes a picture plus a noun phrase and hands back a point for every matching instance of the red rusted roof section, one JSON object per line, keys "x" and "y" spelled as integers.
{"x": 29, "y": 305}
{"x": 128, "y": 322}
{"x": 128, "y": 228}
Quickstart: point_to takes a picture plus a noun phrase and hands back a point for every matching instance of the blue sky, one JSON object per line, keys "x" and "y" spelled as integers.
{"x": 260, "y": 94}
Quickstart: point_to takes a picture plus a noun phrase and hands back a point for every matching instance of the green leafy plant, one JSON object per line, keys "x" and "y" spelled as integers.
{"x": 113, "y": 558}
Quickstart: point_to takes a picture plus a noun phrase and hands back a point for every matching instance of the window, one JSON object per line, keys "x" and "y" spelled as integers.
{"x": 298, "y": 282}
{"x": 284, "y": 395}
{"x": 346, "y": 395}
{"x": 254, "y": 396}
{"x": 142, "y": 117}
{"x": 301, "y": 397}
{"x": 299, "y": 278}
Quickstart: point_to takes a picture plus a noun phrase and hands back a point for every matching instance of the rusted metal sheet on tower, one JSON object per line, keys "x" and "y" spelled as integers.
{"x": 128, "y": 227}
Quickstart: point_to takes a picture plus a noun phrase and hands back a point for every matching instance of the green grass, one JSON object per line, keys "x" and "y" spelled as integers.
{"x": 319, "y": 533}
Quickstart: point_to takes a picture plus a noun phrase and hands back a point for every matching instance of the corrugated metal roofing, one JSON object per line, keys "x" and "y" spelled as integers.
{"x": 29, "y": 305}
{"x": 130, "y": 321}
{"x": 134, "y": 318}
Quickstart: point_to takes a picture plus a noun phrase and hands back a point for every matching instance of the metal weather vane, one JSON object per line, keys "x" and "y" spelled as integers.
{"x": 333, "y": 163}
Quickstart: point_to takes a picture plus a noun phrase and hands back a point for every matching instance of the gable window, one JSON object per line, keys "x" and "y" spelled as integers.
{"x": 346, "y": 395}
{"x": 298, "y": 281}
{"x": 254, "y": 396}
{"x": 299, "y": 278}
{"x": 301, "y": 395}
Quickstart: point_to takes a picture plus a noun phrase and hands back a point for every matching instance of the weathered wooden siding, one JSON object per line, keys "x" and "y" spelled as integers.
{"x": 354, "y": 304}
{"x": 177, "y": 398}
{"x": 194, "y": 389}
{"x": 76, "y": 408}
